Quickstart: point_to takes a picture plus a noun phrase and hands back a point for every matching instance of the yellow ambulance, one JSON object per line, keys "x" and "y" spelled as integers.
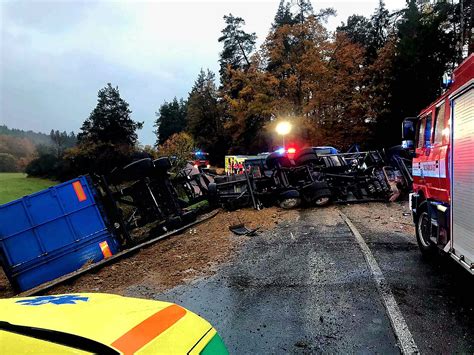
{"x": 97, "y": 323}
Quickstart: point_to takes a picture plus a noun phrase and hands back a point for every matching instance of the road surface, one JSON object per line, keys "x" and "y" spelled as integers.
{"x": 307, "y": 287}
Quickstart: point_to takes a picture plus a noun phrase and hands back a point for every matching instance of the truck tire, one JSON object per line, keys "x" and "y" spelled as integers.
{"x": 212, "y": 194}
{"x": 273, "y": 159}
{"x": 425, "y": 244}
{"x": 289, "y": 199}
{"x": 162, "y": 164}
{"x": 306, "y": 159}
{"x": 322, "y": 201}
{"x": 289, "y": 203}
{"x": 138, "y": 169}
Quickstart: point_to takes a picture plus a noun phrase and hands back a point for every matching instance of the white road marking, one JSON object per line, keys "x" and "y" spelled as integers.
{"x": 406, "y": 342}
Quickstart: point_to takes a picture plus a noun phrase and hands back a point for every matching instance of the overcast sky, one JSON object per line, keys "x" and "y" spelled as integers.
{"x": 56, "y": 55}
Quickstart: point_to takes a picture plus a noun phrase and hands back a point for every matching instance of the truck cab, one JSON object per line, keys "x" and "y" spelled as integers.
{"x": 441, "y": 139}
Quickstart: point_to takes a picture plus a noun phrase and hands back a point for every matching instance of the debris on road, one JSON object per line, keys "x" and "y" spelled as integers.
{"x": 175, "y": 260}
{"x": 241, "y": 229}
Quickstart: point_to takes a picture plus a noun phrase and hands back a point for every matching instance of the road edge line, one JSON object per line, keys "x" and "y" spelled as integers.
{"x": 402, "y": 332}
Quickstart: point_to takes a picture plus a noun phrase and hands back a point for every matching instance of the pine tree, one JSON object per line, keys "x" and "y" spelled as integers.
{"x": 110, "y": 120}
{"x": 358, "y": 29}
{"x": 204, "y": 116}
{"x": 379, "y": 30}
{"x": 371, "y": 34}
{"x": 283, "y": 15}
{"x": 238, "y": 46}
{"x": 304, "y": 10}
{"x": 171, "y": 119}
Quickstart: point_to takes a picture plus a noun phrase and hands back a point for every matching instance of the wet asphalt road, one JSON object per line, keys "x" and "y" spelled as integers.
{"x": 305, "y": 287}
{"x": 436, "y": 296}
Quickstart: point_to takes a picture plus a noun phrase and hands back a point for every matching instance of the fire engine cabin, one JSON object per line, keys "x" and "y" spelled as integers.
{"x": 442, "y": 137}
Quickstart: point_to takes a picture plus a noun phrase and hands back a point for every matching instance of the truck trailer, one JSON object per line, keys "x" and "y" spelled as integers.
{"x": 442, "y": 140}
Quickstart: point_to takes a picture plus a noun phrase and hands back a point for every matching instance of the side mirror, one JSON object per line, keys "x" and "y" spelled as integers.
{"x": 409, "y": 129}
{"x": 408, "y": 144}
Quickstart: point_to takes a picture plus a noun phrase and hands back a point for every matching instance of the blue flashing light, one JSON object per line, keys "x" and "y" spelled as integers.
{"x": 281, "y": 151}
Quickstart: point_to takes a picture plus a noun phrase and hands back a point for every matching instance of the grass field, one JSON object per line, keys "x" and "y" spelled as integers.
{"x": 16, "y": 185}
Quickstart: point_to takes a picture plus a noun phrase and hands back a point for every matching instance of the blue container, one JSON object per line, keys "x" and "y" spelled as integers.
{"x": 53, "y": 232}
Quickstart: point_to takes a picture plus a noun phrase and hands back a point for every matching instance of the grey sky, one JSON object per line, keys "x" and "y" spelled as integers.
{"x": 56, "y": 55}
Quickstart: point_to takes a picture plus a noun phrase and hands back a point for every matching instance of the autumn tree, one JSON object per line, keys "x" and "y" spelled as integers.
{"x": 181, "y": 147}
{"x": 295, "y": 55}
{"x": 250, "y": 108}
{"x": 170, "y": 119}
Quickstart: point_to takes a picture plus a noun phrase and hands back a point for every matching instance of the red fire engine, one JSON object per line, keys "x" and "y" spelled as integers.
{"x": 442, "y": 202}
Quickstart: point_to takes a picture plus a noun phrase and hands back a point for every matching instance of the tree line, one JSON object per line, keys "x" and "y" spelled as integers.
{"x": 351, "y": 86}
{"x": 19, "y": 148}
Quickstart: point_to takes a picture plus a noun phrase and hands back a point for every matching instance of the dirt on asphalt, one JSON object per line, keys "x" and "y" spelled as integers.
{"x": 199, "y": 250}
{"x": 173, "y": 261}
{"x": 383, "y": 217}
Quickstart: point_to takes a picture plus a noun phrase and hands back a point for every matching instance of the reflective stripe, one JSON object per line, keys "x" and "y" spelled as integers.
{"x": 435, "y": 168}
{"x": 144, "y": 332}
{"x": 81, "y": 196}
{"x": 104, "y": 246}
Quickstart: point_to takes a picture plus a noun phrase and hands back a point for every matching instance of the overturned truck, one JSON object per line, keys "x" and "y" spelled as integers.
{"x": 70, "y": 227}
{"x": 309, "y": 178}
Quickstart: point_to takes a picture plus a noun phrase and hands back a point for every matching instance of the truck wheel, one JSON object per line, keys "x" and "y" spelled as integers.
{"x": 423, "y": 233}
{"x": 162, "y": 164}
{"x": 212, "y": 194}
{"x": 138, "y": 169}
{"x": 289, "y": 203}
{"x": 322, "y": 201}
{"x": 306, "y": 159}
{"x": 273, "y": 159}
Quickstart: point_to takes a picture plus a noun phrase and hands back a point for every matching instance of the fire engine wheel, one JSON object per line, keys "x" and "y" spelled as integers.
{"x": 423, "y": 233}
{"x": 289, "y": 203}
{"x": 322, "y": 201}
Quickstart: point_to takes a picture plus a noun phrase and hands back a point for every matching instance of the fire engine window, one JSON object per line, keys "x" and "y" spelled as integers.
{"x": 439, "y": 124}
{"x": 421, "y": 133}
{"x": 427, "y": 138}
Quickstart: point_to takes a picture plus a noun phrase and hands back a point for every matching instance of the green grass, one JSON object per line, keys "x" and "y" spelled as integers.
{"x": 16, "y": 185}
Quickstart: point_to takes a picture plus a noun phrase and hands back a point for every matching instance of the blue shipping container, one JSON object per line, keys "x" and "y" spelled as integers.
{"x": 53, "y": 232}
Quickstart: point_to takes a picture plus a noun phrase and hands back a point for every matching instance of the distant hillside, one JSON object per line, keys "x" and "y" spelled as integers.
{"x": 35, "y": 137}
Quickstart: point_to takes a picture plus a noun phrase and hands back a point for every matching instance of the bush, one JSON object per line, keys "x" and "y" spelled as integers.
{"x": 179, "y": 147}
{"x": 98, "y": 158}
{"x": 43, "y": 166}
{"x": 7, "y": 163}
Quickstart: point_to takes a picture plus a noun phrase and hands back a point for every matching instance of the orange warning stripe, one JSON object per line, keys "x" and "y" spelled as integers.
{"x": 81, "y": 196}
{"x": 144, "y": 332}
{"x": 104, "y": 247}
